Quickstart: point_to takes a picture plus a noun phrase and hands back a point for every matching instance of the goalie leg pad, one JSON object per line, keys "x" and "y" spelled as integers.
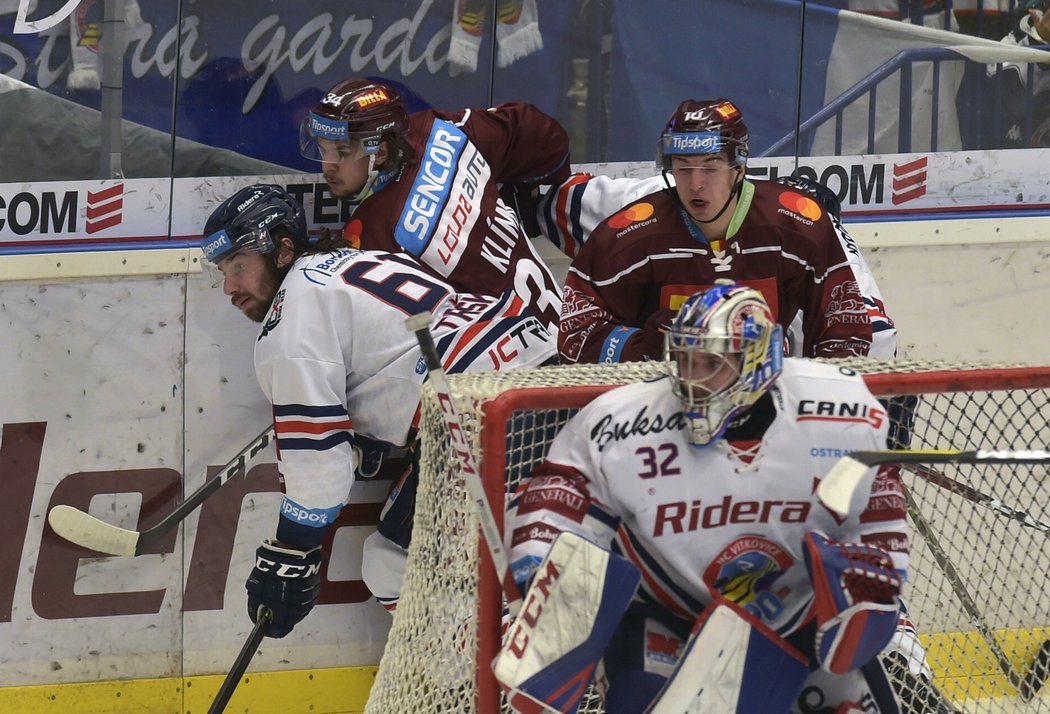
{"x": 733, "y": 663}
{"x": 577, "y": 598}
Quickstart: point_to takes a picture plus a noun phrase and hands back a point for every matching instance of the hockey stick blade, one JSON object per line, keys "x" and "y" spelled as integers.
{"x": 240, "y": 665}
{"x": 836, "y": 489}
{"x": 93, "y": 533}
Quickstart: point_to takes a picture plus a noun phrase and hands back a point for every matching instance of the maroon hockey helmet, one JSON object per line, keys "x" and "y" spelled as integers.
{"x": 708, "y": 126}
{"x": 355, "y": 110}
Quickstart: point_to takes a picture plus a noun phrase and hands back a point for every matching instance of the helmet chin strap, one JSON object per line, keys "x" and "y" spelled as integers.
{"x": 732, "y": 194}
{"x": 366, "y": 188}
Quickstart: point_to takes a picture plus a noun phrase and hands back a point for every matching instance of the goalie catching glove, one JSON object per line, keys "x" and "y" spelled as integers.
{"x": 855, "y": 589}
{"x": 286, "y": 580}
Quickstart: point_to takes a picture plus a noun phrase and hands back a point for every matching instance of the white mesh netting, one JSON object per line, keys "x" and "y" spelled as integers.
{"x": 979, "y": 588}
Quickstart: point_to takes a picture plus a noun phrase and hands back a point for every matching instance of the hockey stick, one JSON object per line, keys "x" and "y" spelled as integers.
{"x": 837, "y": 487}
{"x": 251, "y": 646}
{"x": 420, "y": 325}
{"x": 836, "y": 491}
{"x": 95, "y": 534}
{"x": 938, "y": 478}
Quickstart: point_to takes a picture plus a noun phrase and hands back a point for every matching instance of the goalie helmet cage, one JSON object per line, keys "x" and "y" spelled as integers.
{"x": 988, "y": 522}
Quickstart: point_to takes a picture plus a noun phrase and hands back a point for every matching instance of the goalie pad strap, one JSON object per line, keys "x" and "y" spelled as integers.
{"x": 733, "y": 663}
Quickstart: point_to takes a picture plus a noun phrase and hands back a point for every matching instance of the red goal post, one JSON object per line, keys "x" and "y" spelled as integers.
{"x": 447, "y": 627}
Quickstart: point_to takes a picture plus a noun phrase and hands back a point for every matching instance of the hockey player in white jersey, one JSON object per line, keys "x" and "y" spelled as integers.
{"x": 705, "y": 480}
{"x": 343, "y": 374}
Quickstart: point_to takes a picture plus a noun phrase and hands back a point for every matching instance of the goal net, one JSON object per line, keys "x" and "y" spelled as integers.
{"x": 979, "y": 581}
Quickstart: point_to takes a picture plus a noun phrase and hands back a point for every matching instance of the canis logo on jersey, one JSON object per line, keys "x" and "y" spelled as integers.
{"x": 802, "y": 208}
{"x": 632, "y": 218}
{"x": 744, "y": 572}
{"x": 813, "y": 410}
{"x": 275, "y": 314}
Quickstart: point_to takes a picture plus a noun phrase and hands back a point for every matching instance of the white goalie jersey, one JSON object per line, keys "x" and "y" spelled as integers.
{"x": 726, "y": 519}
{"x": 335, "y": 360}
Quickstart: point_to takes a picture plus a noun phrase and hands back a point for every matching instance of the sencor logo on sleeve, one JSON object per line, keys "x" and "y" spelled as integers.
{"x": 431, "y": 188}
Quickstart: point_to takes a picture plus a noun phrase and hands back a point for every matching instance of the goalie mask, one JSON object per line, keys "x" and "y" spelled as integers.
{"x": 350, "y": 122}
{"x": 723, "y": 351}
{"x": 247, "y": 219}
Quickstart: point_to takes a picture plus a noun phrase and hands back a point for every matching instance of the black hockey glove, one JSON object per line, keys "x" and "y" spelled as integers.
{"x": 287, "y": 580}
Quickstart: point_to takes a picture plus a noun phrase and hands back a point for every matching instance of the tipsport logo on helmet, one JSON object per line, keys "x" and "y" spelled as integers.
{"x": 692, "y": 142}
{"x": 324, "y": 128}
{"x": 218, "y": 245}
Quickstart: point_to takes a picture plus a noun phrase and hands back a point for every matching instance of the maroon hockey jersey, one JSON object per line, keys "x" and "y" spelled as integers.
{"x": 445, "y": 208}
{"x": 641, "y": 263}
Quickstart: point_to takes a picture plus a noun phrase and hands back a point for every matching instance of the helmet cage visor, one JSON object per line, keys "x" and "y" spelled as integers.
{"x": 700, "y": 143}
{"x": 329, "y": 140}
{"x": 219, "y": 247}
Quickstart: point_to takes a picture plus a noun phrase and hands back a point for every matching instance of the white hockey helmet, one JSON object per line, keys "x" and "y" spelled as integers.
{"x": 723, "y": 350}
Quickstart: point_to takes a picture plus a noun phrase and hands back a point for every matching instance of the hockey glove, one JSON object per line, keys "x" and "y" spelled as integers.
{"x": 855, "y": 589}
{"x": 286, "y": 580}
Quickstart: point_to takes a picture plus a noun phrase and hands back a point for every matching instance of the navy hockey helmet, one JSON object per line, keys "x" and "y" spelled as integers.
{"x": 723, "y": 350}
{"x": 358, "y": 112}
{"x": 704, "y": 127}
{"x": 247, "y": 219}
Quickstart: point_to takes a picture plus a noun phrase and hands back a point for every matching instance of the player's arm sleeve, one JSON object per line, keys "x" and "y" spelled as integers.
{"x": 558, "y": 496}
{"x": 882, "y": 524}
{"x": 314, "y": 442}
{"x": 844, "y": 309}
{"x": 570, "y": 211}
{"x": 601, "y": 317}
{"x": 522, "y": 144}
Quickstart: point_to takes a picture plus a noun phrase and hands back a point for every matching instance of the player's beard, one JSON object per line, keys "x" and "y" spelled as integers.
{"x": 257, "y": 310}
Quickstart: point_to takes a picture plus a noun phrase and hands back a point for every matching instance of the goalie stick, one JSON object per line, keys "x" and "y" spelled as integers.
{"x": 420, "y": 325}
{"x": 837, "y": 487}
{"x": 93, "y": 533}
{"x": 836, "y": 492}
{"x": 248, "y": 650}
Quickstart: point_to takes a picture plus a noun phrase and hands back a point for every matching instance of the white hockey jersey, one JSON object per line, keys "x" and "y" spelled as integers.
{"x": 335, "y": 359}
{"x": 700, "y": 521}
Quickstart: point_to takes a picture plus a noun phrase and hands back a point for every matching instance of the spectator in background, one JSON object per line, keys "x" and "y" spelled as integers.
{"x": 701, "y": 221}
{"x": 1031, "y": 27}
{"x": 428, "y": 184}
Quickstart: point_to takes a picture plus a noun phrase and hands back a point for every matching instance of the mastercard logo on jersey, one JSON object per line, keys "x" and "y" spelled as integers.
{"x": 801, "y": 208}
{"x": 632, "y": 214}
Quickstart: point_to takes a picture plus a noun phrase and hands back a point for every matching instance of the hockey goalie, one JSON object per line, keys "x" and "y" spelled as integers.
{"x": 751, "y": 596}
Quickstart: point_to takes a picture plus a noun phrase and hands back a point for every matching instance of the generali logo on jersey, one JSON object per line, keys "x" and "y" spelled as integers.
{"x": 49, "y": 212}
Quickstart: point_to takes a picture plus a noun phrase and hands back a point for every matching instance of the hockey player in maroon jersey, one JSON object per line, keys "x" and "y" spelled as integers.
{"x": 639, "y": 264}
{"x": 705, "y": 480}
{"x": 428, "y": 184}
{"x": 343, "y": 375}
